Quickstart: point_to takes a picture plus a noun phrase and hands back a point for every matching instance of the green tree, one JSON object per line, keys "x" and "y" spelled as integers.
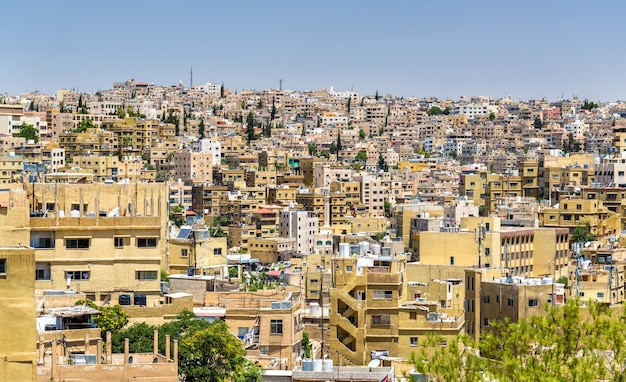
{"x": 492, "y": 116}
{"x": 161, "y": 176}
{"x": 273, "y": 109}
{"x": 32, "y": 105}
{"x": 361, "y": 156}
{"x": 387, "y": 206}
{"x": 306, "y": 345}
{"x": 376, "y": 97}
{"x": 434, "y": 110}
{"x": 563, "y": 344}
{"x": 29, "y": 132}
{"x": 84, "y": 125}
{"x": 339, "y": 146}
{"x": 222, "y": 91}
{"x": 312, "y": 149}
{"x": 201, "y": 128}
{"x": 251, "y": 135}
{"x": 62, "y": 108}
{"x": 537, "y": 124}
{"x": 582, "y": 234}
{"x": 382, "y": 164}
{"x": 214, "y": 354}
{"x": 325, "y": 154}
{"x": 361, "y": 134}
{"x": 111, "y": 319}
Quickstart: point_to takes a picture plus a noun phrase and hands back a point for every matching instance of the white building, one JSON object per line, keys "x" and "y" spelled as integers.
{"x": 208, "y": 146}
{"x": 300, "y": 226}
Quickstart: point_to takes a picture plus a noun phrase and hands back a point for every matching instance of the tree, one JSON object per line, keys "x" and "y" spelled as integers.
{"x": 537, "y": 124}
{"x": 273, "y": 109}
{"x": 325, "y": 154}
{"x": 32, "y": 105}
{"x": 434, "y": 110}
{"x": 582, "y": 234}
{"x": 561, "y": 345}
{"x": 201, "y": 128}
{"x": 349, "y": 104}
{"x": 212, "y": 354}
{"x": 312, "y": 149}
{"x": 111, "y": 319}
{"x": 339, "y": 146}
{"x": 161, "y": 176}
{"x": 361, "y": 134}
{"x": 306, "y": 345}
{"x": 376, "y": 97}
{"x": 589, "y": 105}
{"x": 250, "y": 127}
{"x": 361, "y": 156}
{"x": 387, "y": 206}
{"x": 492, "y": 116}
{"x": 222, "y": 91}
{"x": 84, "y": 125}
{"x": 382, "y": 164}
{"x": 28, "y": 132}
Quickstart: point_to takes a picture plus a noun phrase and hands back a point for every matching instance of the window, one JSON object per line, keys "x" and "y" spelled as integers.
{"x": 146, "y": 275}
{"x": 146, "y": 242}
{"x": 600, "y": 294}
{"x": 533, "y": 302}
{"x": 78, "y": 275}
{"x": 451, "y": 260}
{"x": 118, "y": 242}
{"x": 348, "y": 268}
{"x": 486, "y": 299}
{"x": 381, "y": 320}
{"x": 276, "y": 327}
{"x": 486, "y": 322}
{"x": 183, "y": 253}
{"x": 76, "y": 243}
{"x": 3, "y": 266}
{"x": 217, "y": 251}
{"x": 413, "y": 341}
{"x": 413, "y": 315}
{"x": 509, "y": 301}
{"x": 382, "y": 295}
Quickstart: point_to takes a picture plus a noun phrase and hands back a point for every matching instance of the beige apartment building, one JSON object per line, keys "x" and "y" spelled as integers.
{"x": 269, "y": 323}
{"x": 373, "y": 314}
{"x": 195, "y": 167}
{"x": 101, "y": 239}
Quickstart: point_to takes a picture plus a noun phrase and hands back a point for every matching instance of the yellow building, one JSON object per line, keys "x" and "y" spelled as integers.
{"x": 372, "y": 313}
{"x": 474, "y": 186}
{"x": 520, "y": 251}
{"x": 490, "y": 297}
{"x": 196, "y": 250}
{"x": 11, "y": 168}
{"x": 572, "y": 213}
{"x": 101, "y": 239}
{"x": 18, "y": 337}
{"x": 269, "y": 322}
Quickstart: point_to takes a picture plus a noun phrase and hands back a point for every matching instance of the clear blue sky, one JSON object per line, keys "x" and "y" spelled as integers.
{"x": 525, "y": 49}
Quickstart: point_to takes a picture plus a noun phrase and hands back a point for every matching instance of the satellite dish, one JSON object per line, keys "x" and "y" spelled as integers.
{"x": 374, "y": 363}
{"x": 587, "y": 244}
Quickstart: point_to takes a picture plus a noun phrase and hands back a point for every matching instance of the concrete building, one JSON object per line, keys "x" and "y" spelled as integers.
{"x": 102, "y": 239}
{"x": 195, "y": 167}
{"x": 301, "y": 226}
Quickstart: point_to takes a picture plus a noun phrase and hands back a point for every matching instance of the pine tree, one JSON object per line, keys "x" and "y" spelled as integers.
{"x": 339, "y": 146}
{"x": 273, "y": 110}
{"x": 201, "y": 128}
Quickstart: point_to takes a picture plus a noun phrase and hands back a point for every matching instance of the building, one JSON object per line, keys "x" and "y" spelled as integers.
{"x": 102, "y": 239}
{"x": 192, "y": 166}
{"x": 301, "y": 226}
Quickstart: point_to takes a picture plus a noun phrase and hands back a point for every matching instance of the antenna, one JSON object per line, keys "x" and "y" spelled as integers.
{"x": 191, "y": 78}
{"x": 280, "y": 84}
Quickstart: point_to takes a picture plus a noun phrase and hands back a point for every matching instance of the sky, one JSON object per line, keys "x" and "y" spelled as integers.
{"x": 446, "y": 49}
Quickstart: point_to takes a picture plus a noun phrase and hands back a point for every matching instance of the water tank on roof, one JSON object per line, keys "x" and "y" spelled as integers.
{"x": 376, "y": 249}
{"x": 344, "y": 250}
{"x": 74, "y": 214}
{"x": 327, "y": 365}
{"x": 546, "y": 280}
{"x": 140, "y": 299}
{"x": 307, "y": 365}
{"x": 364, "y": 247}
{"x": 314, "y": 309}
{"x": 317, "y": 365}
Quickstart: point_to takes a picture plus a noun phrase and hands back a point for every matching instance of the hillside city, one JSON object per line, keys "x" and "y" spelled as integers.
{"x": 332, "y": 232}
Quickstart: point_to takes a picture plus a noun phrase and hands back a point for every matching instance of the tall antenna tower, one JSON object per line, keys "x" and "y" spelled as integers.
{"x": 191, "y": 78}
{"x": 280, "y": 84}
